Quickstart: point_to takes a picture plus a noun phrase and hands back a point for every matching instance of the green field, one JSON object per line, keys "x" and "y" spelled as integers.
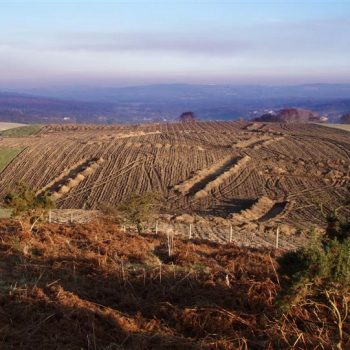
{"x": 21, "y": 131}
{"x": 6, "y": 155}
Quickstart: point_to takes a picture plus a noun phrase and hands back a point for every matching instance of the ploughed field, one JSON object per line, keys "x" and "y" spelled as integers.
{"x": 218, "y": 173}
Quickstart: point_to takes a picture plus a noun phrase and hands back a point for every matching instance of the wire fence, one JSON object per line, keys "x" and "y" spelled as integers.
{"x": 205, "y": 230}
{"x": 271, "y": 239}
{"x": 62, "y": 216}
{"x": 78, "y": 216}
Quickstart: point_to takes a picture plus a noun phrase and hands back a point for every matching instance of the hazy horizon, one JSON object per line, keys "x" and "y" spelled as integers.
{"x": 126, "y": 43}
{"x": 26, "y": 89}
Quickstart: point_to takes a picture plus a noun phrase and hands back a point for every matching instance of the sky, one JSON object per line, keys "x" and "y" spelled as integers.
{"x": 135, "y": 42}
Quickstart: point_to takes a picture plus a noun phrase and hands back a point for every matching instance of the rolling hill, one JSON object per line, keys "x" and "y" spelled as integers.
{"x": 220, "y": 174}
{"x": 167, "y": 102}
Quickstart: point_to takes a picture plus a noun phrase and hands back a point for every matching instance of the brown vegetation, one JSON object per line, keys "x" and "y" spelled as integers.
{"x": 93, "y": 287}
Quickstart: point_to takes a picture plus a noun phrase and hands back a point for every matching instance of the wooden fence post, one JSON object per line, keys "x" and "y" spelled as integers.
{"x": 231, "y": 234}
{"x": 157, "y": 227}
{"x": 50, "y": 216}
{"x": 190, "y": 233}
{"x": 160, "y": 272}
{"x": 71, "y": 217}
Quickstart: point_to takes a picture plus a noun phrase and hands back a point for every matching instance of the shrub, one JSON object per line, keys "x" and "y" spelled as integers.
{"x": 318, "y": 279}
{"x": 318, "y": 264}
{"x": 28, "y": 208}
{"x": 136, "y": 211}
{"x": 110, "y": 211}
{"x": 324, "y": 260}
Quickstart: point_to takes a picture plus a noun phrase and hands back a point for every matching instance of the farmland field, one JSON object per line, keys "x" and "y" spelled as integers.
{"x": 252, "y": 176}
{"x": 6, "y": 155}
{"x": 6, "y": 126}
{"x": 20, "y": 130}
{"x": 339, "y": 126}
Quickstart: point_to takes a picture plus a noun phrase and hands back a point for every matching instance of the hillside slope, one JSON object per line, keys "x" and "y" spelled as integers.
{"x": 93, "y": 287}
{"x": 213, "y": 170}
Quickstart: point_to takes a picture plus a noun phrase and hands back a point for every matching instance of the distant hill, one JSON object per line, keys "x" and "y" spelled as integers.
{"x": 291, "y": 115}
{"x": 166, "y": 102}
{"x": 22, "y": 108}
{"x": 196, "y": 92}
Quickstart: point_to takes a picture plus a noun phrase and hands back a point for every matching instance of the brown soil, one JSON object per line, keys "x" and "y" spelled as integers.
{"x": 215, "y": 180}
{"x": 202, "y": 168}
{"x": 93, "y": 287}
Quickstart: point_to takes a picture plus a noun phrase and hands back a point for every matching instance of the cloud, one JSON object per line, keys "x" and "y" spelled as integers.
{"x": 156, "y": 42}
{"x": 269, "y": 39}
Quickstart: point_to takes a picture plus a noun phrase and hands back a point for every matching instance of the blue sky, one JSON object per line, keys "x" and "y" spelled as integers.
{"x": 97, "y": 42}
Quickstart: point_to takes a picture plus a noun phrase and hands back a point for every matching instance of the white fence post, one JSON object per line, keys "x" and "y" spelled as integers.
{"x": 277, "y": 236}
